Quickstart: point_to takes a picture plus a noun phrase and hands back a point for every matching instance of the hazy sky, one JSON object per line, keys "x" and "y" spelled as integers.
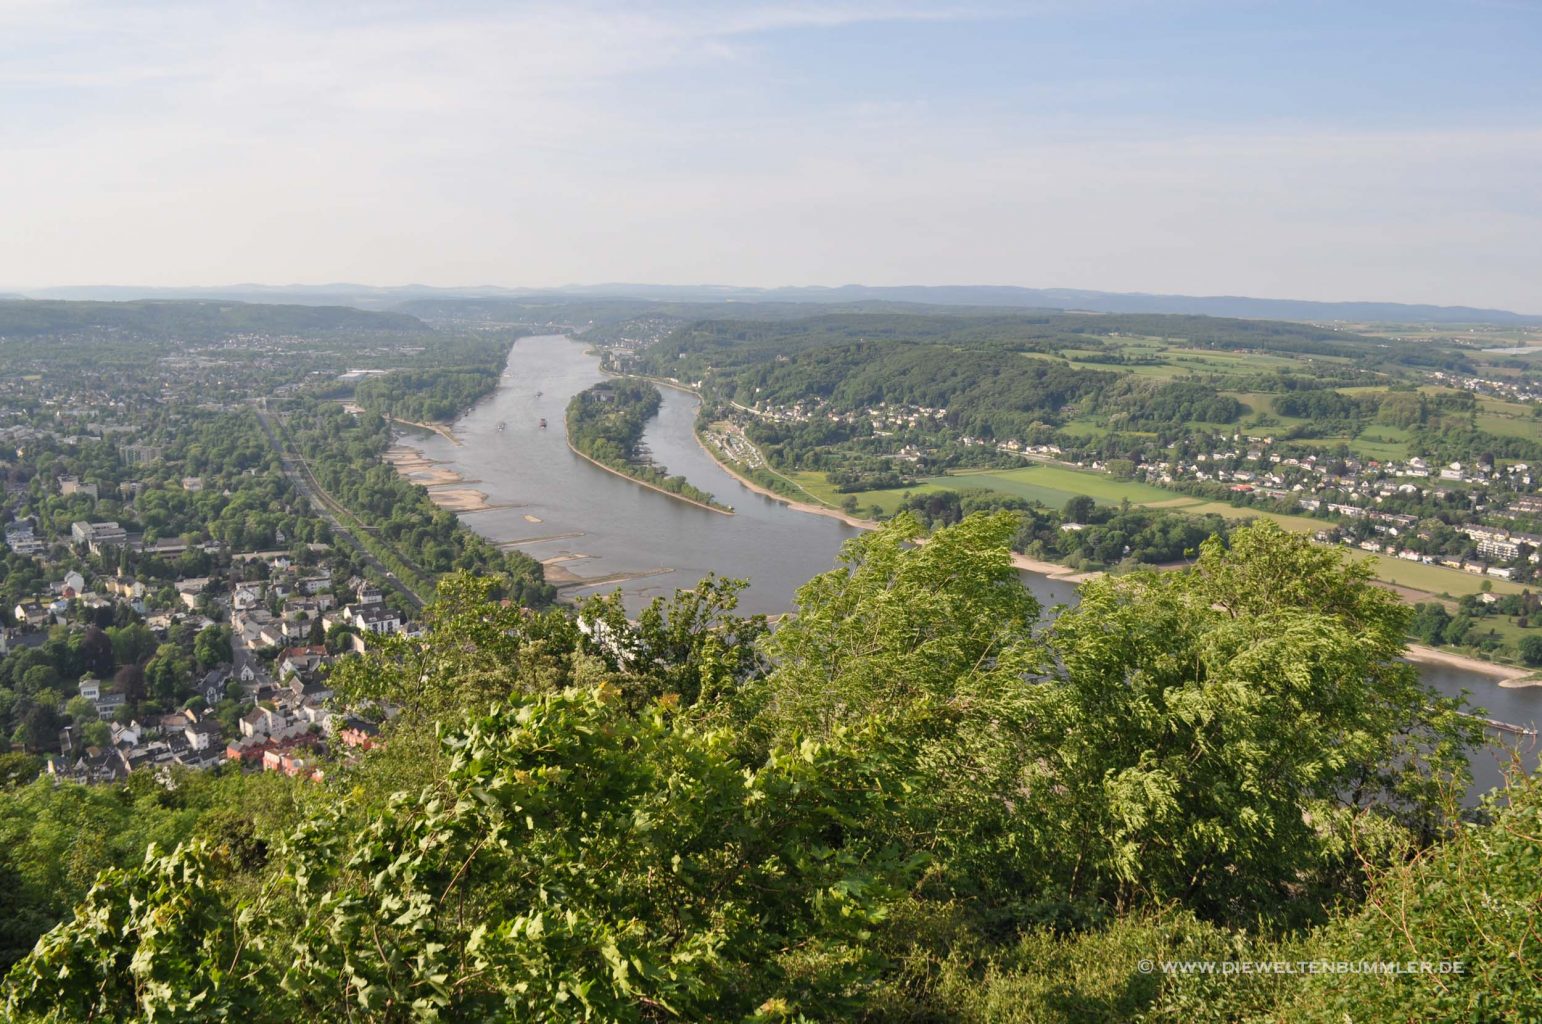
{"x": 1352, "y": 149}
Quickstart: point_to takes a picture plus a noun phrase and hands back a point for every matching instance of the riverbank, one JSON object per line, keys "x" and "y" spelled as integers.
{"x": 445, "y": 486}
{"x": 644, "y": 483}
{"x": 798, "y": 506}
{"x": 1507, "y": 675}
{"x": 433, "y": 428}
{"x": 1051, "y": 570}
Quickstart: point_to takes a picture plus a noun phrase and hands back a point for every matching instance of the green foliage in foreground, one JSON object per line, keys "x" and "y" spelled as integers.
{"x": 912, "y": 802}
{"x": 576, "y": 861}
{"x": 56, "y": 839}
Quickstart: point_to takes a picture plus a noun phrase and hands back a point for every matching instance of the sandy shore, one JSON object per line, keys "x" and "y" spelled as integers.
{"x": 434, "y": 428}
{"x": 1507, "y": 675}
{"x": 460, "y": 499}
{"x": 1054, "y": 570}
{"x": 437, "y": 478}
{"x": 557, "y": 573}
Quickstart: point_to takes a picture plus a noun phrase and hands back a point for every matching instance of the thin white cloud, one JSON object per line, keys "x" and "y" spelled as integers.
{"x": 548, "y": 142}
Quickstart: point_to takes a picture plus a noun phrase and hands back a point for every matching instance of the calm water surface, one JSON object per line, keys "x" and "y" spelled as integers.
{"x": 602, "y": 526}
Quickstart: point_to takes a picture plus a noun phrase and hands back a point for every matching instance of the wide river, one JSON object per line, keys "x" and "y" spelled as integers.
{"x": 602, "y": 527}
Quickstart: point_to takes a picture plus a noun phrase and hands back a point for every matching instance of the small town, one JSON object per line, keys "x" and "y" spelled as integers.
{"x": 1459, "y": 515}
{"x": 273, "y": 635}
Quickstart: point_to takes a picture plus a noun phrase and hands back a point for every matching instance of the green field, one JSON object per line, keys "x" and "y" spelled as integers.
{"x": 1054, "y": 485}
{"x": 1379, "y": 441}
{"x": 1088, "y": 426}
{"x": 1436, "y": 579}
{"x": 1163, "y": 371}
{"x": 1375, "y": 442}
{"x": 1496, "y": 419}
{"x": 1200, "y": 507}
{"x": 1258, "y": 403}
{"x": 1509, "y": 633}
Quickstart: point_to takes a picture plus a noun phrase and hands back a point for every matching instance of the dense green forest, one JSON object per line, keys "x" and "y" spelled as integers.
{"x": 915, "y": 800}
{"x": 606, "y": 423}
{"x": 429, "y": 395}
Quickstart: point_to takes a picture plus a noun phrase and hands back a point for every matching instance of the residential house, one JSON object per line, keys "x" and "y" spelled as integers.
{"x": 213, "y": 685}
{"x": 246, "y": 596}
{"x": 191, "y": 589}
{"x": 375, "y": 618}
{"x": 202, "y": 735}
{"x": 126, "y": 587}
{"x": 308, "y": 690}
{"x": 295, "y": 661}
{"x": 317, "y": 582}
{"x": 108, "y": 704}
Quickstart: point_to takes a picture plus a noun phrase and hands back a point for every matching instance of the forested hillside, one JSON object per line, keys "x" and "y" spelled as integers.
{"x": 728, "y": 342}
{"x": 999, "y": 375}
{"x": 913, "y": 801}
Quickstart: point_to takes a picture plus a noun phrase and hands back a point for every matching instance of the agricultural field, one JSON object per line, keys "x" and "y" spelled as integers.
{"x": 1508, "y": 419}
{"x": 1176, "y": 360}
{"x": 1380, "y": 441}
{"x": 1433, "y": 579}
{"x": 1201, "y": 507}
{"x": 1375, "y": 442}
{"x": 1054, "y": 485}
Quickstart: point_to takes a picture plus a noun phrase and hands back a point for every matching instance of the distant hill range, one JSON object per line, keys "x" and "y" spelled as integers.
{"x": 372, "y": 297}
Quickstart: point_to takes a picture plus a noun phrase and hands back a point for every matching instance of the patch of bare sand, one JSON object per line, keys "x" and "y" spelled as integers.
{"x": 556, "y": 573}
{"x": 437, "y": 477}
{"x": 459, "y": 499}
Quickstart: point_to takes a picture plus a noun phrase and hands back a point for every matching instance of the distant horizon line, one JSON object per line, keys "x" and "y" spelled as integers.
{"x": 712, "y": 292}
